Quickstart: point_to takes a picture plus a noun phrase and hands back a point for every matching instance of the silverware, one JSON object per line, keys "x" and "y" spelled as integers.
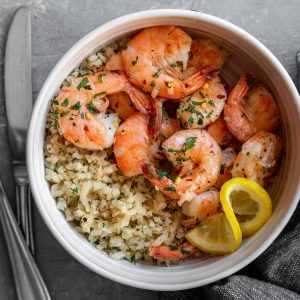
{"x": 298, "y": 71}
{"x": 28, "y": 280}
{"x": 18, "y": 99}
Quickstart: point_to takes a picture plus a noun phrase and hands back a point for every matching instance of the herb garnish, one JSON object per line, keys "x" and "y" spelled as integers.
{"x": 170, "y": 188}
{"x": 157, "y": 74}
{"x": 133, "y": 259}
{"x": 173, "y": 247}
{"x": 134, "y": 62}
{"x": 64, "y": 113}
{"x": 183, "y": 251}
{"x": 82, "y": 83}
{"x": 75, "y": 190}
{"x": 189, "y": 143}
{"x": 191, "y": 121}
{"x": 152, "y": 84}
{"x": 92, "y": 107}
{"x": 250, "y": 81}
{"x": 55, "y": 101}
{"x": 82, "y": 115}
{"x": 202, "y": 95}
{"x": 200, "y": 121}
{"x": 198, "y": 103}
{"x": 211, "y": 102}
{"x": 76, "y": 106}
{"x": 116, "y": 248}
{"x": 100, "y": 77}
{"x": 173, "y": 65}
{"x": 99, "y": 94}
{"x": 65, "y": 102}
{"x": 55, "y": 116}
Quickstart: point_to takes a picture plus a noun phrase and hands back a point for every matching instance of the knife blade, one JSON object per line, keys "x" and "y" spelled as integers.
{"x": 18, "y": 100}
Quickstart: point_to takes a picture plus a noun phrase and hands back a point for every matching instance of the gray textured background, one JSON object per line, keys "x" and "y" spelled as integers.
{"x": 56, "y": 26}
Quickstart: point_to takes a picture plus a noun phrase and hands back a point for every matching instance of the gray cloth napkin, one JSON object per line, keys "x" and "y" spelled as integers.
{"x": 274, "y": 275}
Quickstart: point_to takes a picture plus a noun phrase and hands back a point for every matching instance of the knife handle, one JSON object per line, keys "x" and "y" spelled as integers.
{"x": 24, "y": 199}
{"x": 28, "y": 280}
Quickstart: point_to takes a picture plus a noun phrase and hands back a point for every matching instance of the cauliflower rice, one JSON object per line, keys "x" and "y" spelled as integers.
{"x": 120, "y": 215}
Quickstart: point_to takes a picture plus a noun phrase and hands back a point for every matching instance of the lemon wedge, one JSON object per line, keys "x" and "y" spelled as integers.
{"x": 219, "y": 234}
{"x": 249, "y": 201}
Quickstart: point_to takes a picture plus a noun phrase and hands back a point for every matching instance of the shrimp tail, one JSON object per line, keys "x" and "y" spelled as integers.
{"x": 155, "y": 122}
{"x": 241, "y": 89}
{"x": 163, "y": 183}
{"x": 198, "y": 79}
{"x": 141, "y": 101}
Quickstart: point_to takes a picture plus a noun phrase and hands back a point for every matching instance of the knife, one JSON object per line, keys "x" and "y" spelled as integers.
{"x": 18, "y": 100}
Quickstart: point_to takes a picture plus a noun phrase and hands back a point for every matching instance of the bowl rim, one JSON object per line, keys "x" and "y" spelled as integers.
{"x": 35, "y": 181}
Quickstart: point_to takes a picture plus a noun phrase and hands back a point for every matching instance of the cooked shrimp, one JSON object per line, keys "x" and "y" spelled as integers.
{"x": 205, "y": 52}
{"x": 219, "y": 131}
{"x": 169, "y": 126}
{"x": 115, "y": 63}
{"x": 202, "y": 107}
{"x": 173, "y": 252}
{"x": 198, "y": 157}
{"x": 250, "y": 108}
{"x": 120, "y": 101}
{"x": 132, "y": 144}
{"x": 228, "y": 157}
{"x": 85, "y": 125}
{"x": 154, "y": 60}
{"x": 203, "y": 205}
{"x": 110, "y": 82}
{"x": 258, "y": 157}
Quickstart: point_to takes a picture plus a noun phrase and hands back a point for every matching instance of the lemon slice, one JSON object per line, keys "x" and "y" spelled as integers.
{"x": 249, "y": 201}
{"x": 218, "y": 234}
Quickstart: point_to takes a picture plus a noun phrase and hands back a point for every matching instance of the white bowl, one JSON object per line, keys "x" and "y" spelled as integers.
{"x": 249, "y": 54}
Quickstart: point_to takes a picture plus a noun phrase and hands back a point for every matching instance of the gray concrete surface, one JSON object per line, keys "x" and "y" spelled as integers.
{"x": 56, "y": 26}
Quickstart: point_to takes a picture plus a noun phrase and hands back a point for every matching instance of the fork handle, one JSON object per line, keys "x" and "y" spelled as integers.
{"x": 28, "y": 280}
{"x": 24, "y": 199}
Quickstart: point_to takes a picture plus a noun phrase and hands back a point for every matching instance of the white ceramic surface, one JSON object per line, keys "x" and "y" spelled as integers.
{"x": 248, "y": 54}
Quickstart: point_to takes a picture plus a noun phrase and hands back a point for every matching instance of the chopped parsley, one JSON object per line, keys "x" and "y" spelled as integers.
{"x": 87, "y": 87}
{"x": 100, "y": 77}
{"x": 65, "y": 102}
{"x": 99, "y": 94}
{"x": 223, "y": 168}
{"x": 75, "y": 190}
{"x": 173, "y": 247}
{"x": 161, "y": 173}
{"x": 211, "y": 102}
{"x": 76, "y": 106}
{"x": 170, "y": 188}
{"x": 55, "y": 101}
{"x": 152, "y": 84}
{"x": 173, "y": 150}
{"x": 116, "y": 248}
{"x": 157, "y": 74}
{"x": 202, "y": 95}
{"x": 122, "y": 194}
{"x": 181, "y": 159}
{"x": 134, "y": 62}
{"x": 173, "y": 65}
{"x": 191, "y": 121}
{"x": 200, "y": 121}
{"x": 250, "y": 81}
{"x": 82, "y": 115}
{"x": 183, "y": 251}
{"x": 133, "y": 259}
{"x": 82, "y": 83}
{"x": 55, "y": 116}
{"x": 209, "y": 115}
{"x": 198, "y": 103}
{"x": 91, "y": 107}
{"x": 64, "y": 113}
{"x": 189, "y": 143}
